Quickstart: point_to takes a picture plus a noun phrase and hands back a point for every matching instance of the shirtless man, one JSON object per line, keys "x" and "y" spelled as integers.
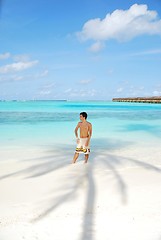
{"x": 85, "y": 133}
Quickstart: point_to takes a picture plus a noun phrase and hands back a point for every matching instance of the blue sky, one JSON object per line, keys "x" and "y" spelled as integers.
{"x": 79, "y": 49}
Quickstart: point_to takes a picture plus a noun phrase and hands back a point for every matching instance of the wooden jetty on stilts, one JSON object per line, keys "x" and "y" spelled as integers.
{"x": 139, "y": 99}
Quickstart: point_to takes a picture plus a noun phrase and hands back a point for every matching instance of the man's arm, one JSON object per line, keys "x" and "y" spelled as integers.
{"x": 76, "y": 130}
{"x": 90, "y": 130}
{"x": 89, "y": 134}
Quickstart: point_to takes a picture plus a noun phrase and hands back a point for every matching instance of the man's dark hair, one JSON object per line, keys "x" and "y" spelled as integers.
{"x": 84, "y": 114}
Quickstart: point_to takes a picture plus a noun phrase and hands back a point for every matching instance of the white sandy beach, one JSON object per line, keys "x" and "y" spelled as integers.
{"x": 116, "y": 196}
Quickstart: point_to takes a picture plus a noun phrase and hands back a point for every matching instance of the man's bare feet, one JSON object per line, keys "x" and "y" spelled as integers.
{"x": 73, "y": 162}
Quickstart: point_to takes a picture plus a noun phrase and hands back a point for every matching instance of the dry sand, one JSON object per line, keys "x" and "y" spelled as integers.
{"x": 116, "y": 196}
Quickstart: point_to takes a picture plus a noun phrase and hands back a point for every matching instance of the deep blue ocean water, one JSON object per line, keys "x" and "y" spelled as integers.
{"x": 49, "y": 122}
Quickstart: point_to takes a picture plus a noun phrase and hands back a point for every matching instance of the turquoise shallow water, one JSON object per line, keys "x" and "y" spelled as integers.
{"x": 53, "y": 122}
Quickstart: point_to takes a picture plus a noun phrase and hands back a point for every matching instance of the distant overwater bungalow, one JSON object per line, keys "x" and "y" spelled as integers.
{"x": 139, "y": 99}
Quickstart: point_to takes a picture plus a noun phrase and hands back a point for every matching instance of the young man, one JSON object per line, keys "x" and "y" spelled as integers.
{"x": 85, "y": 133}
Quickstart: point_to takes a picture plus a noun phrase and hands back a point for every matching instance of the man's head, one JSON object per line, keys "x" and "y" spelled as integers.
{"x": 83, "y": 114}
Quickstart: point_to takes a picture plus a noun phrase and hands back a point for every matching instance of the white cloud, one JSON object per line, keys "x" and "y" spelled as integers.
{"x": 85, "y": 81}
{"x": 110, "y": 71}
{"x": 16, "y": 67}
{"x": 122, "y": 25}
{"x": 156, "y": 93}
{"x": 148, "y": 52}
{"x": 5, "y": 56}
{"x": 41, "y": 74}
{"x": 68, "y": 90}
{"x": 17, "y": 78}
{"x": 46, "y": 89}
{"x": 47, "y": 92}
{"x": 80, "y": 93}
{"x": 141, "y": 88}
{"x": 50, "y": 85}
{"x": 11, "y": 78}
{"x": 119, "y": 89}
{"x": 44, "y": 73}
{"x": 21, "y": 58}
{"x": 127, "y": 90}
{"x": 96, "y": 47}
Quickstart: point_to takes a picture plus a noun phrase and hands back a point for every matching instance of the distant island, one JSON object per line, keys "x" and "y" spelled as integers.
{"x": 139, "y": 99}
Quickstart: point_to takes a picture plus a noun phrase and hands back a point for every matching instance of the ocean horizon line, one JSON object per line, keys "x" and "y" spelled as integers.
{"x": 56, "y": 100}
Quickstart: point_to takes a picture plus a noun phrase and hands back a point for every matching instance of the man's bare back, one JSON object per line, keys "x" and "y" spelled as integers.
{"x": 85, "y": 129}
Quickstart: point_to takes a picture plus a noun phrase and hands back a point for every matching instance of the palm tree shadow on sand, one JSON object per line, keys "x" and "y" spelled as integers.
{"x": 108, "y": 161}
{"x": 52, "y": 162}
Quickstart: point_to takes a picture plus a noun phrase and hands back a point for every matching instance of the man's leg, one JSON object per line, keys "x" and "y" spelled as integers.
{"x": 76, "y": 155}
{"x": 86, "y": 158}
